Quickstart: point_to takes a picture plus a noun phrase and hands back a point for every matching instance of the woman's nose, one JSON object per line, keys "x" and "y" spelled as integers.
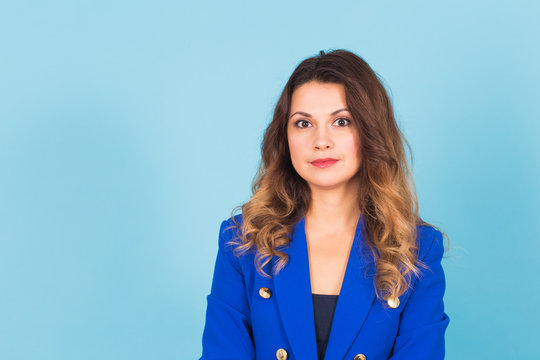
{"x": 323, "y": 140}
{"x": 322, "y": 145}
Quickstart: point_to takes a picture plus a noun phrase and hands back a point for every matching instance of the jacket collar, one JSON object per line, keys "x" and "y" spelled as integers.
{"x": 294, "y": 297}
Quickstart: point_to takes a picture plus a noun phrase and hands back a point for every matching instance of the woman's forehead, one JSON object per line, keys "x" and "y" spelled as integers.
{"x": 318, "y": 98}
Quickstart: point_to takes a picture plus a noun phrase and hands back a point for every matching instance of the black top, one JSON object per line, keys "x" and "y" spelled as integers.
{"x": 323, "y": 308}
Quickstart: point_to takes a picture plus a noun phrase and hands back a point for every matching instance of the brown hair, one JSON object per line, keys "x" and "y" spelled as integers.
{"x": 387, "y": 197}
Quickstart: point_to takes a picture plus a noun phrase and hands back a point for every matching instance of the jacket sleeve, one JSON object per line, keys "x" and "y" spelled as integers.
{"x": 227, "y": 332}
{"x": 423, "y": 321}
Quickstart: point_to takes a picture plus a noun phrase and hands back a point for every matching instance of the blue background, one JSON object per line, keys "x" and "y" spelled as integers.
{"x": 130, "y": 129}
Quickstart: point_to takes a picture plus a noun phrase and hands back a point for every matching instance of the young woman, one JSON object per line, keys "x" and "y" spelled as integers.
{"x": 329, "y": 259}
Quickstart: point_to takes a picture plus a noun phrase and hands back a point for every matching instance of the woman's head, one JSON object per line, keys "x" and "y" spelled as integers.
{"x": 320, "y": 127}
{"x": 353, "y": 85}
{"x": 371, "y": 160}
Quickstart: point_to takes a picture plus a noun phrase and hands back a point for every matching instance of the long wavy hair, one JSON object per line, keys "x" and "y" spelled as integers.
{"x": 387, "y": 198}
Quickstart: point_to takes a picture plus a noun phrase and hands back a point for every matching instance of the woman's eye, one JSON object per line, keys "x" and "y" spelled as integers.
{"x": 301, "y": 123}
{"x": 342, "y": 122}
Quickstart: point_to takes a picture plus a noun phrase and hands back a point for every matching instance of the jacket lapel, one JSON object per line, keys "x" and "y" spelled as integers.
{"x": 356, "y": 297}
{"x": 293, "y": 293}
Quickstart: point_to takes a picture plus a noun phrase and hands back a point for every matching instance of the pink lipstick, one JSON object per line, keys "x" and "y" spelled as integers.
{"x": 324, "y": 163}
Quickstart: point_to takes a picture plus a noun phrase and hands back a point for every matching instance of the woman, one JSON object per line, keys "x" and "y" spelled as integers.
{"x": 329, "y": 259}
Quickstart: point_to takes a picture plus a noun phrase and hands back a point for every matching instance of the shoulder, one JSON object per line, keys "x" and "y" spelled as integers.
{"x": 229, "y": 234}
{"x": 430, "y": 242}
{"x": 229, "y": 227}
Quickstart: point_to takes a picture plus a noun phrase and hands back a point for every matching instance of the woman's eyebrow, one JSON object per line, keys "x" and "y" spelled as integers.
{"x": 308, "y": 115}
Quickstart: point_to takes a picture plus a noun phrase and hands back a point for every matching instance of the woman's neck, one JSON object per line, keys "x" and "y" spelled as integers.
{"x": 333, "y": 209}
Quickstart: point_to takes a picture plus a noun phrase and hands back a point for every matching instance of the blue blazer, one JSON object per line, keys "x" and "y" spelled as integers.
{"x": 244, "y": 322}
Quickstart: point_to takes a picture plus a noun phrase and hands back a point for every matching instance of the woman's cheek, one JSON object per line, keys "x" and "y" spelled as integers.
{"x": 298, "y": 155}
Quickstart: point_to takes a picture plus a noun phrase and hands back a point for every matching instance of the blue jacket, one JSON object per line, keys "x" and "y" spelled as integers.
{"x": 244, "y": 321}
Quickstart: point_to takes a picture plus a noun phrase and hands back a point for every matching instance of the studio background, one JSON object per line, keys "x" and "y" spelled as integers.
{"x": 129, "y": 130}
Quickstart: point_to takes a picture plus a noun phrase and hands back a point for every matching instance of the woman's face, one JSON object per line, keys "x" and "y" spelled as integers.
{"x": 320, "y": 127}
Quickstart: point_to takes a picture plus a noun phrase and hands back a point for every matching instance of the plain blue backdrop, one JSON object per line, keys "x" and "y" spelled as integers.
{"x": 129, "y": 130}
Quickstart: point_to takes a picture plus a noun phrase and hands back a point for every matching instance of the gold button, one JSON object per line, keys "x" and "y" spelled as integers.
{"x": 265, "y": 293}
{"x": 281, "y": 354}
{"x": 360, "y": 357}
{"x": 393, "y": 303}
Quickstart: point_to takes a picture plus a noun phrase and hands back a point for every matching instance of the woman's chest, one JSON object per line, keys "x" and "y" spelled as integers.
{"x": 327, "y": 263}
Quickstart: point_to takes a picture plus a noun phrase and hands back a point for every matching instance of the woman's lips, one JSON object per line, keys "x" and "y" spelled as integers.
{"x": 324, "y": 163}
